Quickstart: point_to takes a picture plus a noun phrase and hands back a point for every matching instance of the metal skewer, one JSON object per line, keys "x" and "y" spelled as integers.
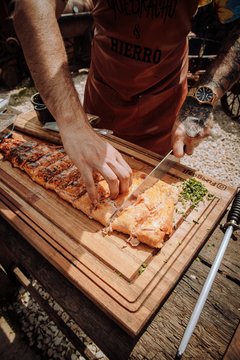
{"x": 232, "y": 224}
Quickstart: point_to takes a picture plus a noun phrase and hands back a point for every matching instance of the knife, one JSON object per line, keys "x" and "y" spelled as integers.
{"x": 54, "y": 127}
{"x": 156, "y": 174}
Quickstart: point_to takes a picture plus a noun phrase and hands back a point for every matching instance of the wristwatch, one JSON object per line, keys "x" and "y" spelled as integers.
{"x": 204, "y": 95}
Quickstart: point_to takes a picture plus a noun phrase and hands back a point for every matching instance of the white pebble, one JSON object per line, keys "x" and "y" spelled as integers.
{"x": 50, "y": 352}
{"x": 100, "y": 355}
{"x": 92, "y": 348}
{"x": 58, "y": 340}
{"x": 193, "y": 277}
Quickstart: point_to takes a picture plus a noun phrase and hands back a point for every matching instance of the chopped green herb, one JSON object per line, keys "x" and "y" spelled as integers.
{"x": 195, "y": 222}
{"x": 193, "y": 191}
{"x": 210, "y": 196}
{"x": 142, "y": 268}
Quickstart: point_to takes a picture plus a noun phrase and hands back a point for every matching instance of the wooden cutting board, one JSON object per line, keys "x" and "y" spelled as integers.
{"x": 128, "y": 283}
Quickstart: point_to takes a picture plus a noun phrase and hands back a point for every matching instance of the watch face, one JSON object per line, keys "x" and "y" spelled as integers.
{"x": 204, "y": 93}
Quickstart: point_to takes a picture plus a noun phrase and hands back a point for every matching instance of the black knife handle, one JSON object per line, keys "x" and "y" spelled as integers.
{"x": 234, "y": 213}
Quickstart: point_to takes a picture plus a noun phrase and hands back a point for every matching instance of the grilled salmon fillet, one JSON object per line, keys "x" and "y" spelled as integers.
{"x": 148, "y": 218}
{"x": 106, "y": 207}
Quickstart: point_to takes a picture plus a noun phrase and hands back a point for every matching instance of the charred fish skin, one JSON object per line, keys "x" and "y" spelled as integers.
{"x": 10, "y": 148}
{"x": 51, "y": 157}
{"x": 46, "y": 173}
{"x": 28, "y": 154}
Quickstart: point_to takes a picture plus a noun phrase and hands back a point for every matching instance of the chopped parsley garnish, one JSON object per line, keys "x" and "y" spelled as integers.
{"x": 142, "y": 268}
{"x": 193, "y": 191}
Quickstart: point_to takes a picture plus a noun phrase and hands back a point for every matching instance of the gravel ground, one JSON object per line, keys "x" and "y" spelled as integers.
{"x": 41, "y": 334}
{"x": 218, "y": 156}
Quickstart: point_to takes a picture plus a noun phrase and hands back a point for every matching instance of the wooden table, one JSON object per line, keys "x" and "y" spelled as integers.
{"x": 161, "y": 338}
{"x": 212, "y": 335}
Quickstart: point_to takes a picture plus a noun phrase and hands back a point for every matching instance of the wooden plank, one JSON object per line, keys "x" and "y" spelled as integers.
{"x": 214, "y": 330}
{"x": 233, "y": 351}
{"x": 217, "y": 324}
{"x": 230, "y": 265}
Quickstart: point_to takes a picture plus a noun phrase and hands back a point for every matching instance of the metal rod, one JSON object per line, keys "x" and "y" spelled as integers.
{"x": 204, "y": 294}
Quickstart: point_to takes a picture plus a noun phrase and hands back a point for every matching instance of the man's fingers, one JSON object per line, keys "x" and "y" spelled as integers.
{"x": 112, "y": 181}
{"x": 126, "y": 168}
{"x": 206, "y": 132}
{"x": 87, "y": 177}
{"x": 189, "y": 148}
{"x": 181, "y": 147}
{"x": 121, "y": 160}
{"x": 124, "y": 177}
{"x": 178, "y": 148}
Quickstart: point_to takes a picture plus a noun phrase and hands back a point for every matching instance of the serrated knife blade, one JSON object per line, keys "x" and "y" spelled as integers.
{"x": 156, "y": 174}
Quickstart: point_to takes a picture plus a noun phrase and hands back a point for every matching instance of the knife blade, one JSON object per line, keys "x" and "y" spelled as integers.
{"x": 156, "y": 174}
{"x": 54, "y": 127}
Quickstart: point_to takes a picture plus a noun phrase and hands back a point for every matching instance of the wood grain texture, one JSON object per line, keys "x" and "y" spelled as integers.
{"x": 106, "y": 268}
{"x": 214, "y": 330}
{"x": 217, "y": 324}
{"x": 230, "y": 265}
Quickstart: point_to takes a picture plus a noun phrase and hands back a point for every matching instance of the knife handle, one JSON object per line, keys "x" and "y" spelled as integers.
{"x": 234, "y": 213}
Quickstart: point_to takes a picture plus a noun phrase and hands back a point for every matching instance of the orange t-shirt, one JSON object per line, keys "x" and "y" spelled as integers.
{"x": 137, "y": 79}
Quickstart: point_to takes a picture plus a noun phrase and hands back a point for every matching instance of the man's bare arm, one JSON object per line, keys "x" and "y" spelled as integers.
{"x": 37, "y": 28}
{"x": 223, "y": 72}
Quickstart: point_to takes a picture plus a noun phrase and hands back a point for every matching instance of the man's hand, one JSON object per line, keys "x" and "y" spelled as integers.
{"x": 195, "y": 119}
{"x": 90, "y": 152}
{"x": 193, "y": 124}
